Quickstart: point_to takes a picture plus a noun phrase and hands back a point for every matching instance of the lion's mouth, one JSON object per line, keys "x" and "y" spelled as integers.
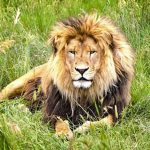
{"x": 82, "y": 83}
{"x": 83, "y": 79}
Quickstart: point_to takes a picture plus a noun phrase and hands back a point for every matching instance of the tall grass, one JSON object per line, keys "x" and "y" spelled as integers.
{"x": 29, "y": 49}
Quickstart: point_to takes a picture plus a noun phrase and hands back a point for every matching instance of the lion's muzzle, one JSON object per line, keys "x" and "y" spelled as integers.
{"x": 83, "y": 81}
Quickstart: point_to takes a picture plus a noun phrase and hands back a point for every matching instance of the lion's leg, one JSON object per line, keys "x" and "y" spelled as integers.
{"x": 62, "y": 128}
{"x": 17, "y": 86}
{"x": 88, "y": 124}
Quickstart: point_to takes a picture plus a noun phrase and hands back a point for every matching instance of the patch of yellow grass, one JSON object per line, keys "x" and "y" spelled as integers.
{"x": 5, "y": 45}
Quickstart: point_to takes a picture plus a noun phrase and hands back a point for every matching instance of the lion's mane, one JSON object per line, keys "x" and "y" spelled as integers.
{"x": 111, "y": 86}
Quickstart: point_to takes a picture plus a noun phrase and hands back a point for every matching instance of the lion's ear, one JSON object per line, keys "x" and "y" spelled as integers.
{"x": 54, "y": 42}
{"x": 117, "y": 42}
{"x": 54, "y": 45}
{"x": 112, "y": 43}
{"x": 58, "y": 42}
{"x": 116, "y": 46}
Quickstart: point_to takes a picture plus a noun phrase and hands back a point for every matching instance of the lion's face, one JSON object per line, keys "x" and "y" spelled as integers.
{"x": 82, "y": 59}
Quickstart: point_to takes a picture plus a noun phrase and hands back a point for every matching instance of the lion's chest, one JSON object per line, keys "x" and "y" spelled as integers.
{"x": 76, "y": 111}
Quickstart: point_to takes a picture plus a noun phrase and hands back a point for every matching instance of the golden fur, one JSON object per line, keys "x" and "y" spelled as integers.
{"x": 89, "y": 47}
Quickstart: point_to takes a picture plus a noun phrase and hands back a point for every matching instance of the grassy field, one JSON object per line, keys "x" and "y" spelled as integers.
{"x": 23, "y": 45}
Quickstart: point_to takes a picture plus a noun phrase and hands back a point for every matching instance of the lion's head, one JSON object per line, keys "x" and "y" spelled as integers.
{"x": 89, "y": 55}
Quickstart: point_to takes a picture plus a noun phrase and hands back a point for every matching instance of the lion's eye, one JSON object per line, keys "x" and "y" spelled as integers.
{"x": 92, "y": 52}
{"x": 72, "y": 52}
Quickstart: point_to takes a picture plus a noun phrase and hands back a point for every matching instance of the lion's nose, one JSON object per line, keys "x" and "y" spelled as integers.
{"x": 81, "y": 71}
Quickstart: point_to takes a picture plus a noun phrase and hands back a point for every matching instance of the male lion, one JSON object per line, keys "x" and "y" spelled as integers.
{"x": 88, "y": 75}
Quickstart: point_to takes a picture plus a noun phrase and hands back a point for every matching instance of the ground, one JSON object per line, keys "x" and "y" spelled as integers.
{"x": 24, "y": 29}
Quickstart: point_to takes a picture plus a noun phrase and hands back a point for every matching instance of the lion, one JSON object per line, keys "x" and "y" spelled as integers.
{"x": 87, "y": 78}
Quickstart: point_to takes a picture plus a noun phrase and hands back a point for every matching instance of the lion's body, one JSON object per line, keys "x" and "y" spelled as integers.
{"x": 110, "y": 87}
{"x": 89, "y": 73}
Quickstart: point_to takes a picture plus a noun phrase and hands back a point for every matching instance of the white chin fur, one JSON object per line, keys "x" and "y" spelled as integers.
{"x": 82, "y": 84}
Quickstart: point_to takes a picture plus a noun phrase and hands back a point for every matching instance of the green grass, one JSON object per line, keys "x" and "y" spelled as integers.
{"x": 30, "y": 49}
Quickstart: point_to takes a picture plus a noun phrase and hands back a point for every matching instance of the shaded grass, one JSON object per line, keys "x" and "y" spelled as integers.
{"x": 131, "y": 133}
{"x": 29, "y": 49}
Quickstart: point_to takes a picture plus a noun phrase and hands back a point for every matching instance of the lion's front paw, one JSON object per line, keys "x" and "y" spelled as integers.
{"x": 88, "y": 124}
{"x": 84, "y": 127}
{"x": 62, "y": 129}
